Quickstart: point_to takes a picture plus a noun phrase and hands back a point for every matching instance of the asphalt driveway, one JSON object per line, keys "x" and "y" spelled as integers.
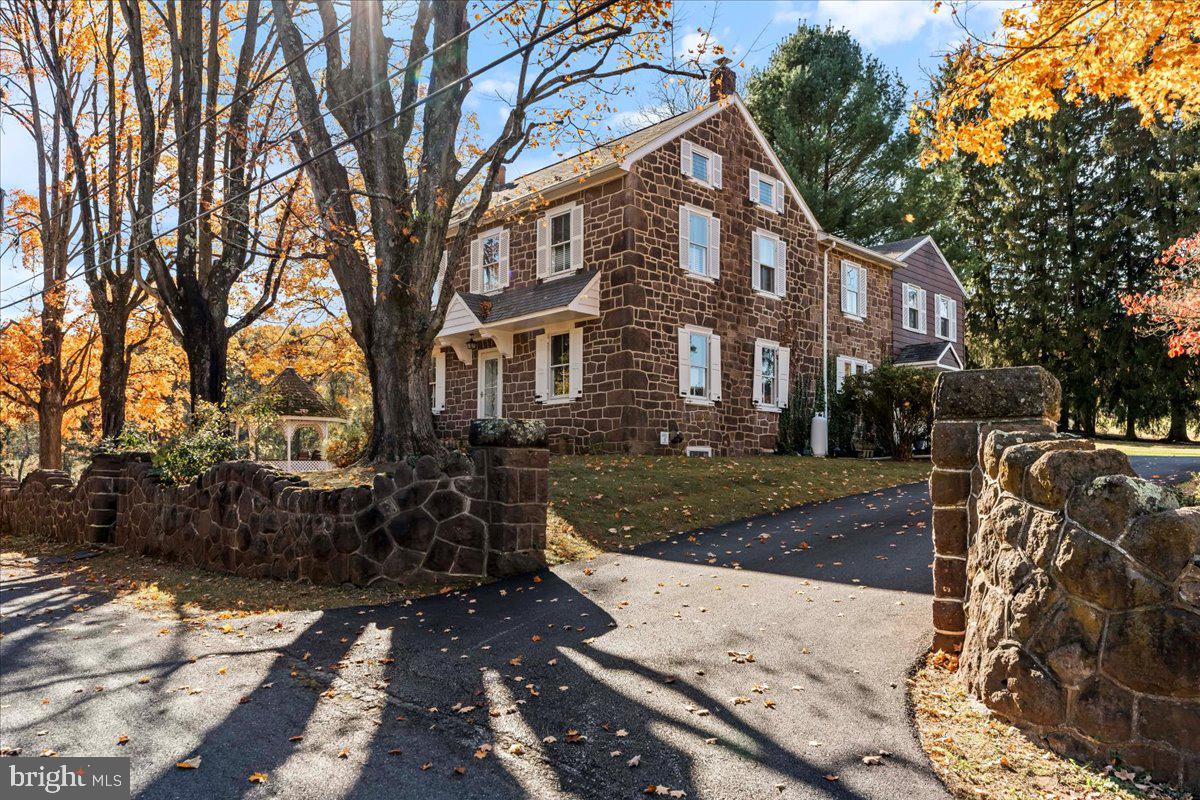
{"x": 759, "y": 659}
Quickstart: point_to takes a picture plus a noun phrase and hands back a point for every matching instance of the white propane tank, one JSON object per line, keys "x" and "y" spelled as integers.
{"x": 819, "y": 436}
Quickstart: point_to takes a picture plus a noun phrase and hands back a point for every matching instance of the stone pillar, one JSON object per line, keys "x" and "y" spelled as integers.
{"x": 513, "y": 459}
{"x": 967, "y": 406}
{"x": 104, "y": 483}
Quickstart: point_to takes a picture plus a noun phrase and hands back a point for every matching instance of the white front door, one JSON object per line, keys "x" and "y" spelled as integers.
{"x": 490, "y": 381}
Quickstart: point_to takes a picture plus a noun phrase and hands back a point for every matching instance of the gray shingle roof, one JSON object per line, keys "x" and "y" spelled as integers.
{"x": 899, "y": 248}
{"x": 527, "y": 299}
{"x": 295, "y": 397}
{"x": 917, "y": 353}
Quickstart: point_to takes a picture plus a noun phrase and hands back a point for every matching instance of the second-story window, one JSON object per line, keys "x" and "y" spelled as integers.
{"x": 699, "y": 242}
{"x": 560, "y": 243}
{"x": 854, "y": 290}
{"x": 489, "y": 261}
{"x": 914, "y": 308}
{"x": 946, "y": 317}
{"x": 769, "y": 259}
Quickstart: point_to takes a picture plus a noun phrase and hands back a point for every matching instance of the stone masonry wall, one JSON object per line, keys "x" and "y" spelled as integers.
{"x": 1071, "y": 586}
{"x": 482, "y": 515}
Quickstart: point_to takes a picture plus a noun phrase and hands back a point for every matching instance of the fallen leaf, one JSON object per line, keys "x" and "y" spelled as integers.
{"x": 190, "y": 763}
{"x": 633, "y": 762}
{"x": 258, "y": 777}
{"x": 344, "y": 753}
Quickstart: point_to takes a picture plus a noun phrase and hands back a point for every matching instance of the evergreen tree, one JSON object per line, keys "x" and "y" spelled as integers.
{"x": 833, "y": 114}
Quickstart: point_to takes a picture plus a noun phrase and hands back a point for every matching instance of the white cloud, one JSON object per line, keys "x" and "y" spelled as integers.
{"x": 636, "y": 119}
{"x": 874, "y": 22}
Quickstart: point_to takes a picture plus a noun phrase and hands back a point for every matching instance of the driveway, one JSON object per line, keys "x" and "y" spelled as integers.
{"x": 760, "y": 659}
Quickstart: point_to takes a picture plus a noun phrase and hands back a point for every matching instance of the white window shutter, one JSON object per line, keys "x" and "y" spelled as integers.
{"x": 577, "y": 237}
{"x": 783, "y": 377}
{"x": 862, "y": 291}
{"x": 714, "y": 247}
{"x": 576, "y": 363}
{"x": 757, "y": 372}
{"x": 845, "y": 289}
{"x": 755, "y": 276}
{"x": 780, "y": 267}
{"x": 543, "y": 247}
{"x": 685, "y": 377}
{"x": 685, "y": 156}
{"x": 779, "y": 196}
{"x": 684, "y": 219}
{"x": 439, "y": 381}
{"x": 716, "y": 170}
{"x": 714, "y": 367}
{"x": 753, "y": 186}
{"x": 476, "y": 266}
{"x": 541, "y": 367}
{"x": 922, "y": 299}
{"x": 438, "y": 281}
{"x": 505, "y": 278}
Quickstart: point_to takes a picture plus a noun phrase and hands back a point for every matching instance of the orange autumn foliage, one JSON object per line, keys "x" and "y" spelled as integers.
{"x": 1173, "y": 308}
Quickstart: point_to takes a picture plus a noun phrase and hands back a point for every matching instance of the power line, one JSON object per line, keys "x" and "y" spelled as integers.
{"x": 128, "y": 227}
{"x": 547, "y": 34}
{"x": 212, "y": 116}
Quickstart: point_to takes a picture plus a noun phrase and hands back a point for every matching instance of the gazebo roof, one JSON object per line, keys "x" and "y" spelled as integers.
{"x": 295, "y": 397}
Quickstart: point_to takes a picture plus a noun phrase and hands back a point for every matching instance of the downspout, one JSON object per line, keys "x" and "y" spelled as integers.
{"x": 825, "y": 333}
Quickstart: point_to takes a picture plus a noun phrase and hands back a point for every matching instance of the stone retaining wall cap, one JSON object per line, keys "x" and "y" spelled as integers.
{"x": 508, "y": 433}
{"x": 1011, "y": 393}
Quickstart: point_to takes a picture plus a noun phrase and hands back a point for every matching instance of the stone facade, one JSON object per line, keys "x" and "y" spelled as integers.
{"x": 630, "y": 371}
{"x": 1071, "y": 587}
{"x": 477, "y": 516}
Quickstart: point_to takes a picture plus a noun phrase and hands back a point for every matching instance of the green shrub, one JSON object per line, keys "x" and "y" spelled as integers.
{"x": 892, "y": 408}
{"x": 129, "y": 440}
{"x": 208, "y": 442}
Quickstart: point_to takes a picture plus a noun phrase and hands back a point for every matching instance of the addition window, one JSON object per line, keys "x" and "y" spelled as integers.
{"x": 854, "y": 290}
{"x": 700, "y": 164}
{"x": 558, "y": 365}
{"x": 489, "y": 261}
{"x": 914, "y": 308}
{"x": 769, "y": 264}
{"x": 947, "y": 313}
{"x": 699, "y": 365}
{"x": 699, "y": 242}
{"x": 847, "y": 366}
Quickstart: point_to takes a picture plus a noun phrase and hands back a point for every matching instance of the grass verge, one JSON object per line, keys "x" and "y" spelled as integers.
{"x": 1150, "y": 448}
{"x": 600, "y": 503}
{"x": 981, "y": 757}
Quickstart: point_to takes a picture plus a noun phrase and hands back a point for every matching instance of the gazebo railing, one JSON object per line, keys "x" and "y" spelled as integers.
{"x": 296, "y": 465}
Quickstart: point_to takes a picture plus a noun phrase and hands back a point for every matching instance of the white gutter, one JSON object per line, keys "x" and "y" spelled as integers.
{"x": 825, "y": 335}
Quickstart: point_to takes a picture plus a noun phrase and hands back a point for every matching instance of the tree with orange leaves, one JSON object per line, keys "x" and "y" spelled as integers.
{"x": 1173, "y": 308}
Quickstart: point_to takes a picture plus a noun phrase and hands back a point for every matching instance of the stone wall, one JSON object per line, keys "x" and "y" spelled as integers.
{"x": 1071, "y": 587}
{"x": 478, "y": 515}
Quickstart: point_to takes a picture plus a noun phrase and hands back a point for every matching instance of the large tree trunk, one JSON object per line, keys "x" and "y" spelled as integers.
{"x": 402, "y": 415}
{"x": 114, "y": 377}
{"x": 50, "y": 422}
{"x": 207, "y": 351}
{"x": 1178, "y": 431}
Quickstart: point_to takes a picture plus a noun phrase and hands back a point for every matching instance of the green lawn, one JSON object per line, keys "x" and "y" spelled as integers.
{"x": 611, "y": 502}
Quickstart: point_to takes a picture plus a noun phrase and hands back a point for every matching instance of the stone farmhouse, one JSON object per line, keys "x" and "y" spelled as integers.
{"x": 661, "y": 294}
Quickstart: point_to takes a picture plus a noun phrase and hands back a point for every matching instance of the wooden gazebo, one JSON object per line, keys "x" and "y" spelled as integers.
{"x": 297, "y": 405}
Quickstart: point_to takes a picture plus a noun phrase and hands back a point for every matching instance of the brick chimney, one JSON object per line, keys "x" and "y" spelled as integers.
{"x": 499, "y": 181}
{"x": 722, "y": 80}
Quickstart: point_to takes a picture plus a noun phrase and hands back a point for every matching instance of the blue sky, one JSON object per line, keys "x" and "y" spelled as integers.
{"x": 907, "y": 35}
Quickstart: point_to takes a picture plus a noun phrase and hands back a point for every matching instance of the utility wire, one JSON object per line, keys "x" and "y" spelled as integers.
{"x": 128, "y": 227}
{"x": 549, "y": 33}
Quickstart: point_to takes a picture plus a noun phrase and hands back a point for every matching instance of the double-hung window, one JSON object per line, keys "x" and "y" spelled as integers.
{"x": 560, "y": 241}
{"x": 489, "y": 261}
{"x": 699, "y": 242}
{"x": 699, "y": 365}
{"x": 558, "y": 365}
{"x": 771, "y": 364}
{"x": 914, "y": 308}
{"x": 946, "y": 323}
{"x": 854, "y": 290}
{"x": 769, "y": 264}
{"x": 847, "y": 366}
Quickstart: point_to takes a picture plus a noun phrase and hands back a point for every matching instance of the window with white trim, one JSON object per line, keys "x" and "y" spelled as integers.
{"x": 854, "y": 290}
{"x": 700, "y": 164}
{"x": 914, "y": 308}
{"x": 699, "y": 365}
{"x": 765, "y": 191}
{"x": 699, "y": 242}
{"x": 946, "y": 311}
{"x": 847, "y": 366}
{"x": 768, "y": 264}
{"x": 489, "y": 261}
{"x": 771, "y": 375}
{"x": 560, "y": 241}
{"x": 558, "y": 365}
